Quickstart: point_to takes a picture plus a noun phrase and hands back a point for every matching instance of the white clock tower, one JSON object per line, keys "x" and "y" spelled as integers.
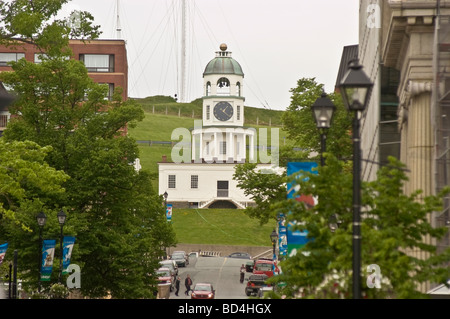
{"x": 222, "y": 137}
{"x": 219, "y": 142}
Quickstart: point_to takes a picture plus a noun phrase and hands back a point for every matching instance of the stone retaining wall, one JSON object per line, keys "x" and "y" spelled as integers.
{"x": 224, "y": 250}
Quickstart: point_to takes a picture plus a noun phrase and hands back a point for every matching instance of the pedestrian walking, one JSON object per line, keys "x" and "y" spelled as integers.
{"x": 242, "y": 271}
{"x": 188, "y": 284}
{"x": 177, "y": 285}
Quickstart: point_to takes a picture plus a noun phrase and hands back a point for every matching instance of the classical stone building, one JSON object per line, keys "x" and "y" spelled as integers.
{"x": 404, "y": 47}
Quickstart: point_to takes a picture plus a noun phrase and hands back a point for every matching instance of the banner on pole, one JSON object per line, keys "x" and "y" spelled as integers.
{"x": 48, "y": 253}
{"x": 3, "y": 248}
{"x": 297, "y": 239}
{"x": 68, "y": 243}
{"x": 169, "y": 212}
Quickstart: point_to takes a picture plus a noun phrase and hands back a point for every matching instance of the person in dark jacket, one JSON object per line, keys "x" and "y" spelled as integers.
{"x": 188, "y": 284}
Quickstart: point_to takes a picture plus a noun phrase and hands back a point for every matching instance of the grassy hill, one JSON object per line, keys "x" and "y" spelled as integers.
{"x": 213, "y": 226}
{"x": 158, "y": 126}
{"x": 168, "y": 106}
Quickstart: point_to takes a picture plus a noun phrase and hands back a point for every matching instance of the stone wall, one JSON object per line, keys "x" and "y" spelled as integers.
{"x": 224, "y": 250}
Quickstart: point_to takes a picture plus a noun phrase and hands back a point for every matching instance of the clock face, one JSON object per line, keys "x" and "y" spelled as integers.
{"x": 223, "y": 111}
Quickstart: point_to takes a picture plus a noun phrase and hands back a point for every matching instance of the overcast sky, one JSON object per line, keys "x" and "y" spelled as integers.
{"x": 276, "y": 42}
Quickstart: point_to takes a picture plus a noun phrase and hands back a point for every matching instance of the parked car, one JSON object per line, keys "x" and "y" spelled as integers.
{"x": 180, "y": 259}
{"x": 264, "y": 266}
{"x": 240, "y": 255}
{"x": 203, "y": 291}
{"x": 186, "y": 256}
{"x": 171, "y": 264}
{"x": 165, "y": 277}
{"x": 193, "y": 254}
{"x": 255, "y": 283}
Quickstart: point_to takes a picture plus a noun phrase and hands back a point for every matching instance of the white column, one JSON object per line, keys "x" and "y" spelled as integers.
{"x": 251, "y": 149}
{"x": 200, "y": 156}
{"x": 193, "y": 146}
{"x": 216, "y": 146}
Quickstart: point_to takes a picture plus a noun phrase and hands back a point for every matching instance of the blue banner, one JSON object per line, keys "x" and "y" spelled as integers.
{"x": 169, "y": 212}
{"x": 68, "y": 243}
{"x": 282, "y": 235}
{"x": 48, "y": 252}
{"x": 297, "y": 239}
{"x": 3, "y": 248}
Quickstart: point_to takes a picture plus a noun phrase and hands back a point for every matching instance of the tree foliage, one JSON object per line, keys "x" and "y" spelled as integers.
{"x": 117, "y": 218}
{"x": 393, "y": 226}
{"x": 300, "y": 126}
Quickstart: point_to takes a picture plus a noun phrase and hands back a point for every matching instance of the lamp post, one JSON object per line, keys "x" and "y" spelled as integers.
{"x": 356, "y": 89}
{"x": 165, "y": 199}
{"x": 41, "y": 220}
{"x": 273, "y": 238}
{"x": 165, "y": 210}
{"x": 323, "y": 110}
{"x": 61, "y": 219}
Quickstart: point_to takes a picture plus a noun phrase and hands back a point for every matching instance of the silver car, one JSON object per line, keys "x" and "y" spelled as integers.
{"x": 171, "y": 264}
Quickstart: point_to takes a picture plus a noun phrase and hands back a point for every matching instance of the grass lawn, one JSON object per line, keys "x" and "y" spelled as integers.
{"x": 220, "y": 227}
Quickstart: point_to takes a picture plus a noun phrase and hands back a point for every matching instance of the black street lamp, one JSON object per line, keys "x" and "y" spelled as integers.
{"x": 165, "y": 199}
{"x": 356, "y": 89}
{"x": 165, "y": 211}
{"x": 41, "y": 220}
{"x": 61, "y": 219}
{"x": 273, "y": 239}
{"x": 323, "y": 110}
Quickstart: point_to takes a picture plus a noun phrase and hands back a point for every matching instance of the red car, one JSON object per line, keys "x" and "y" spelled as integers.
{"x": 165, "y": 277}
{"x": 264, "y": 266}
{"x": 203, "y": 291}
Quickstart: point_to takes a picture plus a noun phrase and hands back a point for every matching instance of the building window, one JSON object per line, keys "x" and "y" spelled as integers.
{"x": 208, "y": 112}
{"x": 223, "y": 86}
{"x": 208, "y": 88}
{"x": 172, "y": 181}
{"x": 98, "y": 62}
{"x": 194, "y": 181}
{"x": 238, "y": 89}
{"x": 10, "y": 57}
{"x": 238, "y": 113}
{"x": 223, "y": 148}
{"x": 3, "y": 120}
{"x": 110, "y": 94}
{"x": 207, "y": 148}
{"x": 222, "y": 188}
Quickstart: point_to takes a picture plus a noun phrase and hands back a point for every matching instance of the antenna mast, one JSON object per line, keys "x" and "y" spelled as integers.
{"x": 118, "y": 27}
{"x": 183, "y": 52}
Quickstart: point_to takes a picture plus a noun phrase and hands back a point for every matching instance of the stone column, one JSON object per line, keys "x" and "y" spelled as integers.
{"x": 420, "y": 150}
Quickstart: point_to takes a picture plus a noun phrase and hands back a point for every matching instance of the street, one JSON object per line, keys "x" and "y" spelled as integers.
{"x": 221, "y": 272}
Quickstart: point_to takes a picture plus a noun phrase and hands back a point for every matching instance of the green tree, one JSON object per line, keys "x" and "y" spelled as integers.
{"x": 301, "y": 128}
{"x": 263, "y": 187}
{"x": 393, "y": 225}
{"x": 28, "y": 185}
{"x": 116, "y": 216}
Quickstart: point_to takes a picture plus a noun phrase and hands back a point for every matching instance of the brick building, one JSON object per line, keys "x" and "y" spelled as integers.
{"x": 105, "y": 60}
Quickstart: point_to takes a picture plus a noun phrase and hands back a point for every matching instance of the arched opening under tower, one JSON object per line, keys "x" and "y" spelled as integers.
{"x": 223, "y": 204}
